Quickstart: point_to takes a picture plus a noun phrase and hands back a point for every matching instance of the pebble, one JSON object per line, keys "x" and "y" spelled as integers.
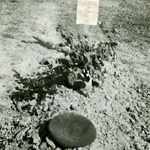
{"x": 51, "y": 143}
{"x": 58, "y": 148}
{"x": 43, "y": 146}
{"x": 36, "y": 139}
{"x": 143, "y": 105}
{"x": 25, "y": 121}
{"x": 33, "y": 102}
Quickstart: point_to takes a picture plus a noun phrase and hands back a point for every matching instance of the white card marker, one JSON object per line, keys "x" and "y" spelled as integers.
{"x": 87, "y": 12}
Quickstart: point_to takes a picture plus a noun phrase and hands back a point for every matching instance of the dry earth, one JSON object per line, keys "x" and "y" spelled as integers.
{"x": 119, "y": 109}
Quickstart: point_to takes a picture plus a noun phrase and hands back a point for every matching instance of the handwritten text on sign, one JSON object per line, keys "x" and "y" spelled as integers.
{"x": 87, "y": 12}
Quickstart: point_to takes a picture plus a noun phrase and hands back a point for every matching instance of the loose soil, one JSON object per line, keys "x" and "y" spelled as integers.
{"x": 119, "y": 109}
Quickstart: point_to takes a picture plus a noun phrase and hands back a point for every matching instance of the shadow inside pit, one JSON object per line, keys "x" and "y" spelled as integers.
{"x": 44, "y": 132}
{"x": 47, "y": 45}
{"x": 47, "y": 82}
{"x": 37, "y": 88}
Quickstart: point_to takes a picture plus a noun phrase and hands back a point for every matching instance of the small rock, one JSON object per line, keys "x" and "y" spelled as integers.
{"x": 45, "y": 108}
{"x": 19, "y": 106}
{"x": 143, "y": 105}
{"x": 58, "y": 148}
{"x": 36, "y": 95}
{"x": 41, "y": 107}
{"x": 33, "y": 102}
{"x": 51, "y": 143}
{"x": 35, "y": 147}
{"x": 49, "y": 100}
{"x": 36, "y": 139}
{"x": 38, "y": 111}
{"x": 25, "y": 121}
{"x": 43, "y": 146}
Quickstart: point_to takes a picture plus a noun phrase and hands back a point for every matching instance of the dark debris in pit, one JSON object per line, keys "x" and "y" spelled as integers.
{"x": 34, "y": 95}
{"x": 81, "y": 68}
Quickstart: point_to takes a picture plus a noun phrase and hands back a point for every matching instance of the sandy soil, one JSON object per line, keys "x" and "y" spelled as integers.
{"x": 119, "y": 109}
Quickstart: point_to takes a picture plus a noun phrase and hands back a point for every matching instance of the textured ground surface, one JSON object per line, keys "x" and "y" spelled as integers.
{"x": 119, "y": 109}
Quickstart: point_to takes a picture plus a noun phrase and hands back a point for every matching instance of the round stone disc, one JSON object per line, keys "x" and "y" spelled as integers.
{"x": 71, "y": 130}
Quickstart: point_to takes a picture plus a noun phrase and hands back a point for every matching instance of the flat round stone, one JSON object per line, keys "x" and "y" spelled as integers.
{"x": 71, "y": 130}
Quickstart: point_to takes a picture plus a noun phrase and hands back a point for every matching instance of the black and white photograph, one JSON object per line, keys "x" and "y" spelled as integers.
{"x": 74, "y": 74}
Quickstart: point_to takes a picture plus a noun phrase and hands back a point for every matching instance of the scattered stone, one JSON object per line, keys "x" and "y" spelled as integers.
{"x": 45, "y": 108}
{"x": 36, "y": 139}
{"x": 25, "y": 121}
{"x": 143, "y": 104}
{"x": 35, "y": 147}
{"x": 33, "y": 102}
{"x": 58, "y": 148}
{"x": 51, "y": 143}
{"x": 43, "y": 146}
{"x": 19, "y": 106}
{"x": 48, "y": 100}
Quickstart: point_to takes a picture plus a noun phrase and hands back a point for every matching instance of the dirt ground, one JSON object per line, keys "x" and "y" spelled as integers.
{"x": 119, "y": 109}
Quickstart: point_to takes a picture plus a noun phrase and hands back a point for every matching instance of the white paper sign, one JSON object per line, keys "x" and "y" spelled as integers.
{"x": 87, "y": 12}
